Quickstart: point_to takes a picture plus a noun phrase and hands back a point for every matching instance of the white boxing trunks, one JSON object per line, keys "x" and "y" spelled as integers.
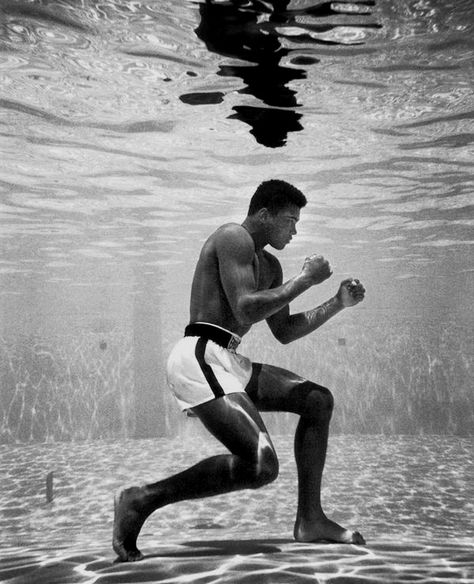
{"x": 204, "y": 365}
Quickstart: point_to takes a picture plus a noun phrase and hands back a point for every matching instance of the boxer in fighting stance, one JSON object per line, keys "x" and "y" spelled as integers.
{"x": 236, "y": 284}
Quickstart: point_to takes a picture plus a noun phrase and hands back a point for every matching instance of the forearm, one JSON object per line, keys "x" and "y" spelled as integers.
{"x": 303, "y": 323}
{"x": 263, "y": 303}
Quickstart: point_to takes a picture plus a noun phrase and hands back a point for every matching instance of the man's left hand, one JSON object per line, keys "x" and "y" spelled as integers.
{"x": 350, "y": 292}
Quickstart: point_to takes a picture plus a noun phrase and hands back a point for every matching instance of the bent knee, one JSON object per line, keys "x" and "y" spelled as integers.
{"x": 266, "y": 469}
{"x": 329, "y": 401}
{"x": 319, "y": 401}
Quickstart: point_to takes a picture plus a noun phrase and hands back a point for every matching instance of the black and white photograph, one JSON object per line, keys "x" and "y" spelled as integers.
{"x": 236, "y": 286}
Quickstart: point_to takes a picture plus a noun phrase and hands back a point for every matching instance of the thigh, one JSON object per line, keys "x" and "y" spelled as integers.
{"x": 275, "y": 389}
{"x": 235, "y": 421}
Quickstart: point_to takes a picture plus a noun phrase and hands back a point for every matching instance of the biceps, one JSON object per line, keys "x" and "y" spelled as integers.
{"x": 238, "y": 281}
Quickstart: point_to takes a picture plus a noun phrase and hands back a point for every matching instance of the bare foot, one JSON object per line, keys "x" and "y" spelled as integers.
{"x": 326, "y": 530}
{"x": 129, "y": 516}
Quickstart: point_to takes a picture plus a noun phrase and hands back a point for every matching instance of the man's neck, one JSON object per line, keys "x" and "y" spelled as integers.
{"x": 255, "y": 230}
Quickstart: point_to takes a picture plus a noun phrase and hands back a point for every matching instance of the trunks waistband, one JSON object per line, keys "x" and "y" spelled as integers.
{"x": 215, "y": 333}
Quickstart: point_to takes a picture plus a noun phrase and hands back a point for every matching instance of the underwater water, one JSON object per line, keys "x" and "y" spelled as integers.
{"x": 129, "y": 130}
{"x": 411, "y": 497}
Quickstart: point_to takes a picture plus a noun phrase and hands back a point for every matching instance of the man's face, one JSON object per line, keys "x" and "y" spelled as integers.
{"x": 282, "y": 226}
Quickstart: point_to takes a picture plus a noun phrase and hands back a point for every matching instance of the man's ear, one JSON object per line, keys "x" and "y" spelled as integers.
{"x": 263, "y": 214}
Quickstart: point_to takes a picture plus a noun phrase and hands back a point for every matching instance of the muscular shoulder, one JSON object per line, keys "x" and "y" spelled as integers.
{"x": 234, "y": 241}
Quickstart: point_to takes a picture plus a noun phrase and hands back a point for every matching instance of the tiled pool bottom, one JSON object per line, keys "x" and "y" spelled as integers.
{"x": 411, "y": 497}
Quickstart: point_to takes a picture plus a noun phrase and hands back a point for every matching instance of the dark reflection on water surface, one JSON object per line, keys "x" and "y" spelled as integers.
{"x": 255, "y": 32}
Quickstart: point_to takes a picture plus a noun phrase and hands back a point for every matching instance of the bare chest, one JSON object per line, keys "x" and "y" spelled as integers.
{"x": 263, "y": 272}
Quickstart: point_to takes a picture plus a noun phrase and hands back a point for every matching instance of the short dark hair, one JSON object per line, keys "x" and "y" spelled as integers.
{"x": 275, "y": 195}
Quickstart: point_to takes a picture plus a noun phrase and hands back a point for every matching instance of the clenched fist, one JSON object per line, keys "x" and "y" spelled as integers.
{"x": 316, "y": 269}
{"x": 351, "y": 292}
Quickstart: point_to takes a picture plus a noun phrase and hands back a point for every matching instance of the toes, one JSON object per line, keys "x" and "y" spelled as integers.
{"x": 135, "y": 556}
{"x": 125, "y": 555}
{"x": 357, "y": 538}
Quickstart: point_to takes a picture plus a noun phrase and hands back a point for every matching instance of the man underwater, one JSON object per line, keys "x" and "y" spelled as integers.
{"x": 238, "y": 283}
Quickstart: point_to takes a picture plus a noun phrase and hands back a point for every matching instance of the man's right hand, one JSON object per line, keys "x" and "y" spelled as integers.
{"x": 316, "y": 269}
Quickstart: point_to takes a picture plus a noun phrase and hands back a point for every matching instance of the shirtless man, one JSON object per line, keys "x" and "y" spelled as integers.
{"x": 236, "y": 284}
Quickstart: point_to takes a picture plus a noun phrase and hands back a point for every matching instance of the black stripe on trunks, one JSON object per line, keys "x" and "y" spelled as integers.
{"x": 206, "y": 369}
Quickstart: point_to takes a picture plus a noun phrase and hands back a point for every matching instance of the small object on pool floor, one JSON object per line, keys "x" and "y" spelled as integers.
{"x": 49, "y": 487}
